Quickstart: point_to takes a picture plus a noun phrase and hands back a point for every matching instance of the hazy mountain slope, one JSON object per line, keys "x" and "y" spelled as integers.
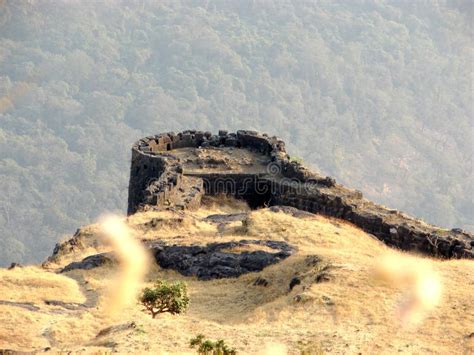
{"x": 376, "y": 94}
{"x": 349, "y": 312}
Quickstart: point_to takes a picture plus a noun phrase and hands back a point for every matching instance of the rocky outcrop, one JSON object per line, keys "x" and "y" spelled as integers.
{"x": 116, "y": 329}
{"x": 27, "y": 305}
{"x": 71, "y": 306}
{"x": 81, "y": 240}
{"x": 226, "y": 218}
{"x": 157, "y": 180}
{"x": 90, "y": 262}
{"x": 217, "y": 260}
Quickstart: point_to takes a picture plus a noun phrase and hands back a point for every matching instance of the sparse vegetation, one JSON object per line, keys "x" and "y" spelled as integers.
{"x": 165, "y": 297}
{"x": 310, "y": 348}
{"x": 322, "y": 272}
{"x": 139, "y": 329}
{"x": 209, "y": 347}
{"x": 319, "y": 270}
{"x": 296, "y": 160}
{"x": 249, "y": 318}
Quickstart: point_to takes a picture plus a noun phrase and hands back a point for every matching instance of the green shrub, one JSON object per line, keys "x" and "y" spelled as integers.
{"x": 208, "y": 347}
{"x": 165, "y": 297}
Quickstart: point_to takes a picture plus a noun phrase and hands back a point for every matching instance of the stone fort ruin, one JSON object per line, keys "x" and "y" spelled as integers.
{"x": 173, "y": 171}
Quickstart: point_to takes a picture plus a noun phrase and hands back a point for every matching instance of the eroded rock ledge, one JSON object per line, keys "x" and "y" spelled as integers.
{"x": 221, "y": 260}
{"x": 158, "y": 180}
{"x": 212, "y": 261}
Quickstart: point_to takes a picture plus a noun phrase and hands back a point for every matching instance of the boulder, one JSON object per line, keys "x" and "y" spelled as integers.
{"x": 90, "y": 262}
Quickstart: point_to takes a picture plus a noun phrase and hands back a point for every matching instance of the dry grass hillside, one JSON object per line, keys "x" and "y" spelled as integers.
{"x": 340, "y": 306}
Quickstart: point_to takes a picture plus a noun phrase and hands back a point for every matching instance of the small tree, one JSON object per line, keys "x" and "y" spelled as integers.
{"x": 208, "y": 347}
{"x": 165, "y": 297}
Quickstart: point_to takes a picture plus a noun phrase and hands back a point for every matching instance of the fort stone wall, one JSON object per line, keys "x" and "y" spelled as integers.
{"x": 157, "y": 180}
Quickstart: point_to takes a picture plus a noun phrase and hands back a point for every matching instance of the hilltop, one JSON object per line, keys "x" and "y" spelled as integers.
{"x": 346, "y": 312}
{"x": 173, "y": 171}
{"x": 267, "y": 276}
{"x": 377, "y": 94}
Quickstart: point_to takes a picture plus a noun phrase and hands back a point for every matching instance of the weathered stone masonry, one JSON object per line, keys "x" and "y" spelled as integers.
{"x": 157, "y": 180}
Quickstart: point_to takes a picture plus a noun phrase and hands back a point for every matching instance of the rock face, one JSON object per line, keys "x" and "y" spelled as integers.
{"x": 157, "y": 180}
{"x": 83, "y": 238}
{"x": 90, "y": 262}
{"x": 215, "y": 261}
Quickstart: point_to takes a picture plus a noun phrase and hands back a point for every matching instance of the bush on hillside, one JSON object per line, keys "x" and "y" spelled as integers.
{"x": 165, "y": 297}
{"x": 208, "y": 347}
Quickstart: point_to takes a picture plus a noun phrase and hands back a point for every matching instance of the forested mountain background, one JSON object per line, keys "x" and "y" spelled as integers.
{"x": 375, "y": 93}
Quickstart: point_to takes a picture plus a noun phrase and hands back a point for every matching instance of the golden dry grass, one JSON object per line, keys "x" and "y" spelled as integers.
{"x": 22, "y": 328}
{"x": 32, "y": 284}
{"x": 351, "y": 313}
